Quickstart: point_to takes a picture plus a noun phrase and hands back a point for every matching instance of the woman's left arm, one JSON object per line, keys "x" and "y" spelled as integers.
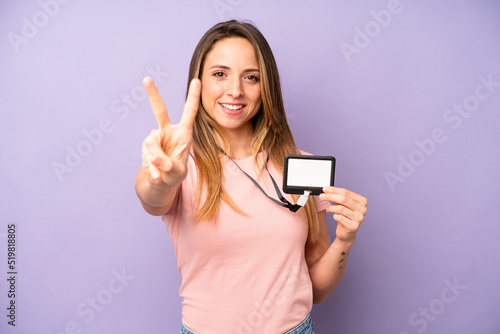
{"x": 327, "y": 262}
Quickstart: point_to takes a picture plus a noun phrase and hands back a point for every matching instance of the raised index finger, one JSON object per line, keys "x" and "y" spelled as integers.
{"x": 192, "y": 104}
{"x": 156, "y": 102}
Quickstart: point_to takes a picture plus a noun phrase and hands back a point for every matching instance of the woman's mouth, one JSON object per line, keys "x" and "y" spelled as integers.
{"x": 232, "y": 109}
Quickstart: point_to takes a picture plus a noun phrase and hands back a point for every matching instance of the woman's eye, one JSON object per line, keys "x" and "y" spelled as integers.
{"x": 253, "y": 78}
{"x": 219, "y": 74}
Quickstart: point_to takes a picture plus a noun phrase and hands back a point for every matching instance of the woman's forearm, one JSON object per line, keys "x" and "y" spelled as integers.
{"x": 328, "y": 271}
{"x": 156, "y": 199}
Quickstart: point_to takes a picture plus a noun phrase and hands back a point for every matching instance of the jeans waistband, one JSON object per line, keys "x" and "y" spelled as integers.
{"x": 305, "y": 327}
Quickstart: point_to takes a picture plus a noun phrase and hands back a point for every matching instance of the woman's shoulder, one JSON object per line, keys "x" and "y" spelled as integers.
{"x": 304, "y": 152}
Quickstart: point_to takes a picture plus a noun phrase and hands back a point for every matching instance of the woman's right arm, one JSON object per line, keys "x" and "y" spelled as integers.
{"x": 165, "y": 151}
{"x": 155, "y": 199}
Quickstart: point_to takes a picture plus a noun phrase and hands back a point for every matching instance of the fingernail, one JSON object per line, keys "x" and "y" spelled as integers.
{"x": 322, "y": 196}
{"x": 147, "y": 81}
{"x": 155, "y": 174}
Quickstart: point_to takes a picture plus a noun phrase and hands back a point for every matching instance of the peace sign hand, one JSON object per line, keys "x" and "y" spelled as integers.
{"x": 166, "y": 150}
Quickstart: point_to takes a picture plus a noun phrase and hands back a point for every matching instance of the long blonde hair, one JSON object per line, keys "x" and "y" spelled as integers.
{"x": 271, "y": 131}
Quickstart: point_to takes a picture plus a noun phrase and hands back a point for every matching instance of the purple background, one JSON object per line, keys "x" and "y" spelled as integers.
{"x": 369, "y": 109}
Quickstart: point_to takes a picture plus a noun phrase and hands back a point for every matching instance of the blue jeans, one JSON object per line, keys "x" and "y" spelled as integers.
{"x": 305, "y": 327}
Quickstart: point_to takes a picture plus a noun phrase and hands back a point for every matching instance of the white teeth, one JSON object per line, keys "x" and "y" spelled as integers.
{"x": 232, "y": 107}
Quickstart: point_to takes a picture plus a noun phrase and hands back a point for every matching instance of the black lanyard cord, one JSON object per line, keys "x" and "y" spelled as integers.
{"x": 284, "y": 202}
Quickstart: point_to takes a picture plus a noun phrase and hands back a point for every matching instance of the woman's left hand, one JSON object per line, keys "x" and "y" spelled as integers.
{"x": 349, "y": 210}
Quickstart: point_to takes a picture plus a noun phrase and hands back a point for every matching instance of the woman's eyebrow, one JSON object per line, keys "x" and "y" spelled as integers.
{"x": 219, "y": 66}
{"x": 224, "y": 67}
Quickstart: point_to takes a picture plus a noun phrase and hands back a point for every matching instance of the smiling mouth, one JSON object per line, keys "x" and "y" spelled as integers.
{"x": 232, "y": 106}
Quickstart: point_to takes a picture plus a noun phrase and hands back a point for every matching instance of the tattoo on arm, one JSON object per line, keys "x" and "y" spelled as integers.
{"x": 342, "y": 260}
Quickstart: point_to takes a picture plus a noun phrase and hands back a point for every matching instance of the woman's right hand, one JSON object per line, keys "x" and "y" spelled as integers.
{"x": 166, "y": 150}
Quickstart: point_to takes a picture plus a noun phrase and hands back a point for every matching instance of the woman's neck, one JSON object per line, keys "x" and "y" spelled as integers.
{"x": 241, "y": 143}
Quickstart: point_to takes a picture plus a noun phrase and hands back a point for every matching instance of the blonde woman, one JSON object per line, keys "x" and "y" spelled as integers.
{"x": 248, "y": 265}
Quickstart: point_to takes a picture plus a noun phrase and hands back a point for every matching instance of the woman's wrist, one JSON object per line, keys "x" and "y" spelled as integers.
{"x": 343, "y": 244}
{"x": 154, "y": 194}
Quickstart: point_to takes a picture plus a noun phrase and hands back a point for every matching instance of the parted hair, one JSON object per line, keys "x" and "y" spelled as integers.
{"x": 271, "y": 131}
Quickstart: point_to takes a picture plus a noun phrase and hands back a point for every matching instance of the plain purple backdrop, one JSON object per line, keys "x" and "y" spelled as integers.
{"x": 405, "y": 94}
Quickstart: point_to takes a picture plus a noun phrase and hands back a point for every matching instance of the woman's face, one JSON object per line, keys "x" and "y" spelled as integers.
{"x": 230, "y": 88}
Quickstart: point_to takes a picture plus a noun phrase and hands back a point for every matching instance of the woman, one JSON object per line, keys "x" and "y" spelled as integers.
{"x": 247, "y": 264}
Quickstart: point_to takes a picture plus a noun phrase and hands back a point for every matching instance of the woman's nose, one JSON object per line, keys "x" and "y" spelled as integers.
{"x": 235, "y": 88}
